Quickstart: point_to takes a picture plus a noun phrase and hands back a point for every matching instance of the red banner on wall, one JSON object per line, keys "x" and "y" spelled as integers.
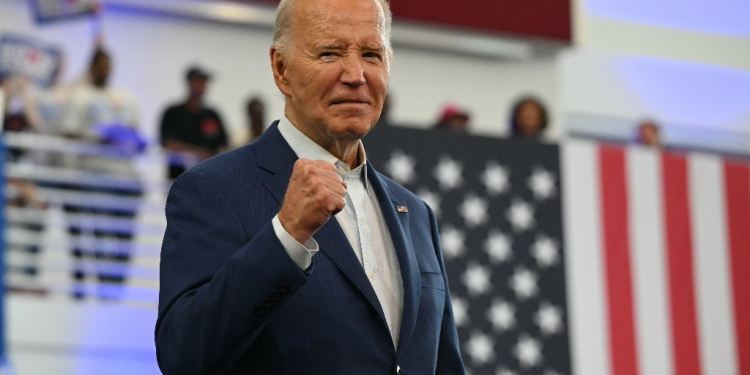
{"x": 547, "y": 19}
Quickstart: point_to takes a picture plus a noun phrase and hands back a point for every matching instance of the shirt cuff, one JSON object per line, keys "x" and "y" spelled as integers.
{"x": 300, "y": 254}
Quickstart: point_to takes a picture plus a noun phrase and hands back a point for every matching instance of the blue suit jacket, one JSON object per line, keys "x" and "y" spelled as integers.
{"x": 232, "y": 301}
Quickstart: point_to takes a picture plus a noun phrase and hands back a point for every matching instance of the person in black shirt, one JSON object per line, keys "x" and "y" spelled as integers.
{"x": 191, "y": 128}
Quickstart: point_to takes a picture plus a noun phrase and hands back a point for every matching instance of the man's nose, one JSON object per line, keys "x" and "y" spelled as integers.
{"x": 353, "y": 72}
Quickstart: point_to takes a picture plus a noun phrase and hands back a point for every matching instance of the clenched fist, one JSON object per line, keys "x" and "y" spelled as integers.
{"x": 315, "y": 193}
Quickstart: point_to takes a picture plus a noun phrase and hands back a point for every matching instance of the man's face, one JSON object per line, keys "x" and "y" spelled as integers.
{"x": 529, "y": 118}
{"x": 336, "y": 73}
{"x": 100, "y": 71}
{"x": 650, "y": 135}
{"x": 197, "y": 87}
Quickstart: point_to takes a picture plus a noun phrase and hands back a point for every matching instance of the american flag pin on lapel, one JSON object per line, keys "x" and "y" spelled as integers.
{"x": 402, "y": 209}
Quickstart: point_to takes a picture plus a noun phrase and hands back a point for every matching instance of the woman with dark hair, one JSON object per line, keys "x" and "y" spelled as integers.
{"x": 528, "y": 118}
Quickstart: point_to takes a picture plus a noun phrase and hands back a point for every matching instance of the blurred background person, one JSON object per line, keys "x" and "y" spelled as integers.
{"x": 191, "y": 127}
{"x": 648, "y": 134}
{"x": 93, "y": 104}
{"x": 453, "y": 118}
{"x": 17, "y": 116}
{"x": 528, "y": 119}
{"x": 98, "y": 113}
{"x": 255, "y": 110}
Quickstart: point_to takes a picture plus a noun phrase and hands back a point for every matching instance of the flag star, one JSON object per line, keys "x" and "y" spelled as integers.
{"x": 502, "y": 315}
{"x": 498, "y": 247}
{"x": 452, "y": 240}
{"x": 524, "y": 283}
{"x": 480, "y": 348}
{"x": 504, "y": 371}
{"x": 521, "y": 215}
{"x": 528, "y": 351}
{"x": 477, "y": 279}
{"x": 495, "y": 178}
{"x": 460, "y": 311}
{"x": 474, "y": 210}
{"x": 401, "y": 167}
{"x": 542, "y": 183}
{"x": 432, "y": 199}
{"x": 448, "y": 173}
{"x": 549, "y": 319}
{"x": 545, "y": 250}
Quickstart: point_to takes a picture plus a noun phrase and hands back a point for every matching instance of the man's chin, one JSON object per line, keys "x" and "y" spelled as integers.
{"x": 351, "y": 128}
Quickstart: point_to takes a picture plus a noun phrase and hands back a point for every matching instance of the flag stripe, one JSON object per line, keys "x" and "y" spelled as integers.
{"x": 649, "y": 265}
{"x": 617, "y": 260}
{"x": 712, "y": 270}
{"x": 737, "y": 180}
{"x": 583, "y": 259}
{"x": 680, "y": 265}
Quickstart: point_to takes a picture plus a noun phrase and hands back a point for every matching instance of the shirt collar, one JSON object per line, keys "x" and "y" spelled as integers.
{"x": 306, "y": 148}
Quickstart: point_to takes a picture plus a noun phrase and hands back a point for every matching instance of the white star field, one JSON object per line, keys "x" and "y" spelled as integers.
{"x": 542, "y": 183}
{"x": 432, "y": 199}
{"x": 521, "y": 215}
{"x": 524, "y": 283}
{"x": 460, "y": 311}
{"x": 401, "y": 167}
{"x": 545, "y": 251}
{"x": 495, "y": 179}
{"x": 528, "y": 351}
{"x": 477, "y": 279}
{"x": 452, "y": 240}
{"x": 502, "y": 315}
{"x": 501, "y": 252}
{"x": 498, "y": 247}
{"x": 448, "y": 173}
{"x": 480, "y": 348}
{"x": 549, "y": 319}
{"x": 474, "y": 211}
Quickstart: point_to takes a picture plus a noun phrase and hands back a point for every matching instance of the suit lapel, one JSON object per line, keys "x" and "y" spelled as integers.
{"x": 334, "y": 244}
{"x": 398, "y": 226}
{"x": 276, "y": 156}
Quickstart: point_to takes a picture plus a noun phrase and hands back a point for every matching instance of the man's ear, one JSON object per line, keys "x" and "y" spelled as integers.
{"x": 278, "y": 66}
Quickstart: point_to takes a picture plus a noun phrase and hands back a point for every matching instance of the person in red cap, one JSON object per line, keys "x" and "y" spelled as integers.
{"x": 453, "y": 118}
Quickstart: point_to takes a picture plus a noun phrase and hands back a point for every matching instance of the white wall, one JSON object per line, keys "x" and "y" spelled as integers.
{"x": 684, "y": 64}
{"x": 683, "y": 31}
{"x": 151, "y": 53}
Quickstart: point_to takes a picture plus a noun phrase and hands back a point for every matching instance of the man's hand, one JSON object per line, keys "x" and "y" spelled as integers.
{"x": 315, "y": 193}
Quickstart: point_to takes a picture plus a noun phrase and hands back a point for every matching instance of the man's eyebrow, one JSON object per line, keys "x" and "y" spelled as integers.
{"x": 328, "y": 46}
{"x": 374, "y": 47}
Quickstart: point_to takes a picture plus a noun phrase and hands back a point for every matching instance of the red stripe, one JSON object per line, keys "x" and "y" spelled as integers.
{"x": 617, "y": 260}
{"x": 738, "y": 217}
{"x": 680, "y": 265}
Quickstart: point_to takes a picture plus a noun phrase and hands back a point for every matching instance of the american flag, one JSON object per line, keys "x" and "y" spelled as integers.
{"x": 585, "y": 258}
{"x": 658, "y": 259}
{"x": 498, "y": 205}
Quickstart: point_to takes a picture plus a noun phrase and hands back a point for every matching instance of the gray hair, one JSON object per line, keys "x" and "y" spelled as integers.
{"x": 282, "y": 35}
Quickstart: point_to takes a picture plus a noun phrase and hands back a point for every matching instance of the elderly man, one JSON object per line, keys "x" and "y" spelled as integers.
{"x": 292, "y": 255}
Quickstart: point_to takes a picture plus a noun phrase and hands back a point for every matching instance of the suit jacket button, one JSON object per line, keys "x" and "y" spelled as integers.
{"x": 268, "y": 302}
{"x": 276, "y": 296}
{"x": 283, "y": 288}
{"x": 259, "y": 310}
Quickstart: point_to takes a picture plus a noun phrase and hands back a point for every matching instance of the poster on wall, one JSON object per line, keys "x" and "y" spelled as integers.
{"x": 54, "y": 10}
{"x": 30, "y": 58}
